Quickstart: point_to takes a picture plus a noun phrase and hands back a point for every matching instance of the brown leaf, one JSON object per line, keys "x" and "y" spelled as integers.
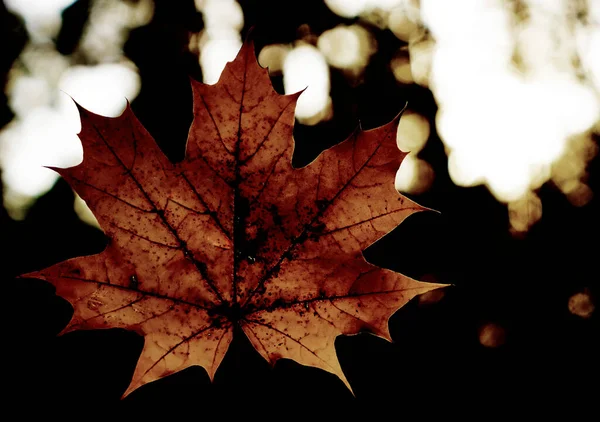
{"x": 234, "y": 234}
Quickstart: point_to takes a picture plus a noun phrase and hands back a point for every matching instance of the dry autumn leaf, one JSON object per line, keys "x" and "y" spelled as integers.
{"x": 233, "y": 234}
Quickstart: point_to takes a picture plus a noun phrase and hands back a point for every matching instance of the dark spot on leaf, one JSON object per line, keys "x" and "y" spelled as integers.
{"x": 321, "y": 204}
{"x": 275, "y": 215}
{"x": 231, "y": 311}
{"x": 316, "y": 230}
{"x": 133, "y": 282}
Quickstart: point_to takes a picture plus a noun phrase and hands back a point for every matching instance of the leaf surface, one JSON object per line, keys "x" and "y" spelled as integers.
{"x": 233, "y": 234}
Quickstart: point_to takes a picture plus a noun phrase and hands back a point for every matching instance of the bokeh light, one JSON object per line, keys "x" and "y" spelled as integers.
{"x": 413, "y": 132}
{"x": 347, "y": 47}
{"x": 103, "y": 88}
{"x": 404, "y": 20}
{"x": 44, "y": 137}
{"x": 415, "y": 175}
{"x": 42, "y": 83}
{"x": 42, "y": 17}
{"x": 511, "y": 101}
{"x": 581, "y": 304}
{"x": 516, "y": 88}
{"x": 305, "y": 67}
{"x": 272, "y": 57}
{"x": 421, "y": 56}
{"x": 524, "y": 212}
{"x": 492, "y": 335}
{"x": 220, "y": 40}
{"x": 346, "y": 8}
{"x": 109, "y": 25}
{"x": 215, "y": 53}
{"x": 354, "y": 8}
{"x": 401, "y": 68}
{"x": 508, "y": 92}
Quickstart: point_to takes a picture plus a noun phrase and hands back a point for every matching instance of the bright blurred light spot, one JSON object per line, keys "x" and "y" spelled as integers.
{"x": 588, "y": 44}
{"x": 84, "y": 212}
{"x": 215, "y": 55}
{"x": 402, "y": 70}
{"x": 222, "y": 14}
{"x": 578, "y": 194}
{"x": 347, "y": 47}
{"x": 414, "y": 176}
{"x": 17, "y": 205}
{"x": 581, "y": 304}
{"x": 221, "y": 41}
{"x": 42, "y": 17}
{"x": 461, "y": 171}
{"x": 346, "y": 8}
{"x": 103, "y": 89}
{"x": 524, "y": 212}
{"x": 412, "y": 133}
{"x": 44, "y": 132}
{"x": 45, "y": 137}
{"x": 353, "y": 8}
{"x": 431, "y": 297}
{"x": 569, "y": 171}
{"x": 509, "y": 105}
{"x": 109, "y": 24}
{"x": 40, "y": 61}
{"x": 387, "y": 5}
{"x": 340, "y": 46}
{"x": 421, "y": 56}
{"x": 492, "y": 335}
{"x": 305, "y": 67}
{"x": 273, "y": 56}
{"x": 404, "y": 21}
{"x": 27, "y": 93}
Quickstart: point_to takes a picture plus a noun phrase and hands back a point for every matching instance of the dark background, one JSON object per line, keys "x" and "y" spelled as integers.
{"x": 436, "y": 365}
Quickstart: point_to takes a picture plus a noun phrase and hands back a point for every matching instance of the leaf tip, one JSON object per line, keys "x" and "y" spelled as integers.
{"x": 346, "y": 383}
{"x": 249, "y": 38}
{"x": 294, "y": 96}
{"x": 386, "y": 335}
{"x": 417, "y": 207}
{"x": 83, "y": 112}
{"x": 393, "y": 122}
{"x": 71, "y": 326}
{"x": 130, "y": 389}
{"x": 435, "y": 286}
{"x": 400, "y": 113}
{"x": 211, "y": 374}
{"x": 247, "y": 46}
{"x": 430, "y": 210}
{"x": 32, "y": 275}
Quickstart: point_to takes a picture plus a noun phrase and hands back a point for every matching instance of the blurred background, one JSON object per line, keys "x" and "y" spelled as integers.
{"x": 503, "y": 123}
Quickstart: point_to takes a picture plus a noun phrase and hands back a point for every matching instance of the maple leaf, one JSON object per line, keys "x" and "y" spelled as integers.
{"x": 233, "y": 234}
